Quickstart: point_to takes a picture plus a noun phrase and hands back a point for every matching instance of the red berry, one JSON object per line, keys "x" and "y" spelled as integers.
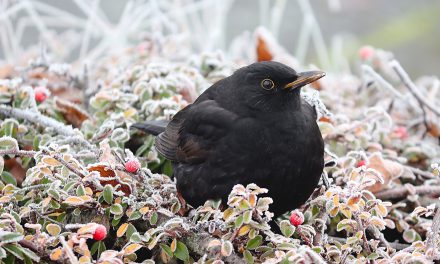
{"x": 366, "y": 52}
{"x": 401, "y": 132}
{"x": 40, "y": 94}
{"x": 132, "y": 165}
{"x": 100, "y": 233}
{"x": 296, "y": 218}
{"x": 361, "y": 163}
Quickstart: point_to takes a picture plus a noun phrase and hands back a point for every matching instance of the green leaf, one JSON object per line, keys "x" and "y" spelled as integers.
{"x": 115, "y": 221}
{"x": 55, "y": 194}
{"x": 8, "y": 178}
{"x": 116, "y": 209}
{"x": 69, "y": 185}
{"x": 80, "y": 191}
{"x": 16, "y": 216}
{"x": 54, "y": 204}
{"x": 8, "y": 143}
{"x": 247, "y": 217}
{"x": 10, "y": 237}
{"x": 14, "y": 250}
{"x": 409, "y": 235}
{"x": 153, "y": 218}
{"x": 10, "y": 259}
{"x": 226, "y": 248}
{"x": 286, "y": 228}
{"x": 317, "y": 249}
{"x": 2, "y": 164}
{"x": 36, "y": 143}
{"x": 345, "y": 224}
{"x": 372, "y": 256}
{"x": 108, "y": 194}
{"x": 98, "y": 247}
{"x": 254, "y": 242}
{"x": 181, "y": 251}
{"x": 9, "y": 127}
{"x": 130, "y": 231}
{"x": 352, "y": 240}
{"x": 135, "y": 215}
{"x": 136, "y": 238}
{"x": 30, "y": 254}
{"x": 248, "y": 257}
{"x": 167, "y": 250}
{"x": 285, "y": 246}
{"x": 239, "y": 221}
{"x": 2, "y": 253}
{"x": 285, "y": 261}
{"x": 167, "y": 168}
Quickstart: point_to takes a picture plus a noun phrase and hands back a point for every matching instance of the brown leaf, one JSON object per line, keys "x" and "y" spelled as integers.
{"x": 263, "y": 53}
{"x": 71, "y": 112}
{"x": 121, "y": 230}
{"x": 106, "y": 172}
{"x": 56, "y": 254}
{"x": 14, "y": 167}
{"x": 325, "y": 119}
{"x": 390, "y": 170}
{"x": 433, "y": 129}
{"x": 6, "y": 71}
{"x": 268, "y": 48}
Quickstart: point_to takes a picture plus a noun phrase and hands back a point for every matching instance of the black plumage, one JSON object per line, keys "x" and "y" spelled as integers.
{"x": 251, "y": 127}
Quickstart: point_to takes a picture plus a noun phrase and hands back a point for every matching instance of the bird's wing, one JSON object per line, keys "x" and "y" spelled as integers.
{"x": 194, "y": 131}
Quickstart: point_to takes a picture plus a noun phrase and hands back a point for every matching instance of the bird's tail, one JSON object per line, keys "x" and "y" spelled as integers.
{"x": 154, "y": 127}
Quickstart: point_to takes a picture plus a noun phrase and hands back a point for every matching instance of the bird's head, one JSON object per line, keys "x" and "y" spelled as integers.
{"x": 271, "y": 86}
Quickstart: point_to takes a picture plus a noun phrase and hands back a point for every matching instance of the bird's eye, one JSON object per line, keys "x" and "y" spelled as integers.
{"x": 267, "y": 84}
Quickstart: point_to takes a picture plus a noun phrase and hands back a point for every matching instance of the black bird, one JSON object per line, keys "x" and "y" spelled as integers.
{"x": 251, "y": 127}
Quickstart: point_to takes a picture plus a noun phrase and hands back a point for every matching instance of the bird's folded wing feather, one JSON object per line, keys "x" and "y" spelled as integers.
{"x": 194, "y": 131}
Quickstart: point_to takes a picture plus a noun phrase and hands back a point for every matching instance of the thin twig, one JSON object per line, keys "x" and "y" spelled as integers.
{"x": 26, "y": 153}
{"x": 32, "y": 153}
{"x": 364, "y": 236}
{"x": 48, "y": 219}
{"x": 425, "y": 174}
{"x": 401, "y": 192}
{"x": 44, "y": 121}
{"x": 381, "y": 80}
{"x": 66, "y": 164}
{"x": 395, "y": 245}
{"x": 404, "y": 77}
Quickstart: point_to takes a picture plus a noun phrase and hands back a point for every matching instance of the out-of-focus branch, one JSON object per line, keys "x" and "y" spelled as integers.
{"x": 43, "y": 121}
{"x": 401, "y": 192}
{"x": 404, "y": 77}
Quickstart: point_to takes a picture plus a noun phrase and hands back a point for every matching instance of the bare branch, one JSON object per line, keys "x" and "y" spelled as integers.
{"x": 404, "y": 77}
{"x": 401, "y": 192}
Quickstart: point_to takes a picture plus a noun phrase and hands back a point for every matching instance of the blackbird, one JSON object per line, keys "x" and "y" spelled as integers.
{"x": 251, "y": 127}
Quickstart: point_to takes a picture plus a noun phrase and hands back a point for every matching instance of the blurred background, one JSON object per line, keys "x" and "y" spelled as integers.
{"x": 324, "y": 32}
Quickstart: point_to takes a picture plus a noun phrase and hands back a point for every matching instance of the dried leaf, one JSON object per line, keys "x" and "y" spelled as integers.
{"x": 53, "y": 229}
{"x": 56, "y": 254}
{"x": 50, "y": 161}
{"x": 121, "y": 230}
{"x": 390, "y": 170}
{"x": 132, "y": 248}
{"x": 74, "y": 200}
{"x": 71, "y": 112}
